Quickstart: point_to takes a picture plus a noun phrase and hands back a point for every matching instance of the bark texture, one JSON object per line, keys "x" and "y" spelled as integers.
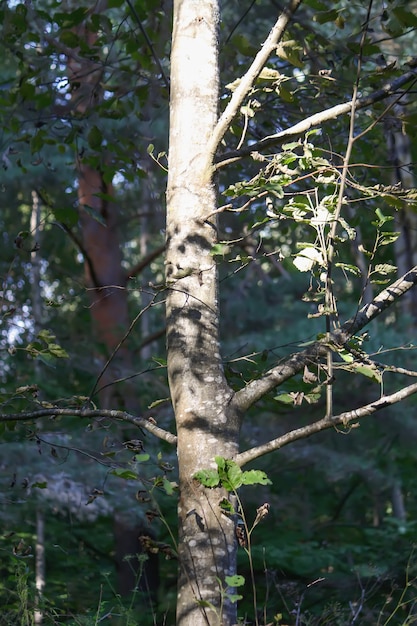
{"x": 105, "y": 276}
{"x": 206, "y": 424}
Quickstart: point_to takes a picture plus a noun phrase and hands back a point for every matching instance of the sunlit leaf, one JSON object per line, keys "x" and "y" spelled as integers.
{"x": 255, "y": 477}
{"x": 208, "y": 478}
{"x": 235, "y": 581}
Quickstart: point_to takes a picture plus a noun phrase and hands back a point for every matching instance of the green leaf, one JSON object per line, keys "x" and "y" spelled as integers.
{"x": 386, "y": 238}
{"x": 69, "y": 19}
{"x": 27, "y": 91}
{"x": 234, "y": 597}
{"x": 242, "y": 44}
{"x": 312, "y": 398}
{"x": 220, "y": 249}
{"x": 382, "y": 219}
{"x": 367, "y": 49}
{"x": 141, "y": 458}
{"x": 227, "y": 507}
{"x": 369, "y": 371}
{"x": 285, "y": 94}
{"x": 326, "y": 16}
{"x": 96, "y": 215}
{"x": 124, "y": 473}
{"x": 346, "y": 355}
{"x": 292, "y": 52}
{"x": 318, "y": 5}
{"x": 346, "y": 267}
{"x": 46, "y": 335}
{"x": 220, "y": 462}
{"x": 69, "y": 39}
{"x": 95, "y": 138}
{"x": 67, "y": 215}
{"x": 233, "y": 477}
{"x": 255, "y": 477}
{"x": 168, "y": 486}
{"x": 407, "y": 18}
{"x": 285, "y": 398}
{"x": 57, "y": 351}
{"x": 385, "y": 268}
{"x": 291, "y": 146}
{"x": 158, "y": 402}
{"x": 160, "y": 361}
{"x": 208, "y": 478}
{"x": 235, "y": 581}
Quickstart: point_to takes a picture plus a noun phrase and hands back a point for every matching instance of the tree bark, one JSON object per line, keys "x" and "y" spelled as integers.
{"x": 405, "y": 220}
{"x": 106, "y": 282}
{"x": 105, "y": 277}
{"x": 206, "y": 424}
{"x": 39, "y": 565}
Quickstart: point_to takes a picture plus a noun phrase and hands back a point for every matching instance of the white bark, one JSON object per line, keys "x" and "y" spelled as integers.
{"x": 40, "y": 564}
{"x": 199, "y": 390}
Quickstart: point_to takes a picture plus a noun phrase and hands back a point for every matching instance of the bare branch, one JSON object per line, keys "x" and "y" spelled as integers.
{"x": 119, "y": 345}
{"x": 148, "y": 43}
{"x": 258, "y": 388}
{"x": 319, "y": 118}
{"x": 152, "y": 337}
{"x": 251, "y": 75}
{"x": 141, "y": 422}
{"x": 147, "y": 260}
{"x": 380, "y": 303}
{"x": 343, "y": 419}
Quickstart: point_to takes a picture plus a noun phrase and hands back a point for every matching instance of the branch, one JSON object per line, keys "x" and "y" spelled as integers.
{"x": 141, "y": 422}
{"x": 258, "y": 388}
{"x": 319, "y": 118}
{"x": 152, "y": 337}
{"x": 251, "y": 75}
{"x": 148, "y": 43}
{"x": 139, "y": 267}
{"x": 88, "y": 260}
{"x": 343, "y": 419}
{"x": 382, "y": 301}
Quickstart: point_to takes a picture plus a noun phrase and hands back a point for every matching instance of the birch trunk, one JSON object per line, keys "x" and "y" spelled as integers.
{"x": 206, "y": 424}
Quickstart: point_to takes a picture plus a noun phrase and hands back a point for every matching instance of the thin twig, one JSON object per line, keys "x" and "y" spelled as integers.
{"x": 148, "y": 42}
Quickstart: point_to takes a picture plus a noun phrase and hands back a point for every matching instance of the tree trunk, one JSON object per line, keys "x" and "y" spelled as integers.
{"x": 105, "y": 276}
{"x": 133, "y": 573}
{"x": 106, "y": 281}
{"x": 40, "y": 566}
{"x": 405, "y": 220}
{"x": 206, "y": 425}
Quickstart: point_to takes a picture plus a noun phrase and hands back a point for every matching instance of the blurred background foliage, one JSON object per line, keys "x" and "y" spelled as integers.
{"x": 338, "y": 545}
